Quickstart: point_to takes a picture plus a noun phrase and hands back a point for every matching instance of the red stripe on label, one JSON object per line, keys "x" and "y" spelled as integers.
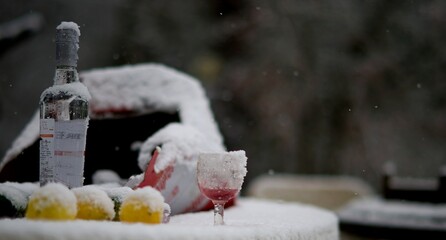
{"x": 70, "y": 153}
{"x": 46, "y": 135}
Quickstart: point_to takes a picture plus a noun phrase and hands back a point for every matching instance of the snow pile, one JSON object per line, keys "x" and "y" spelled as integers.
{"x": 93, "y": 203}
{"x": 146, "y": 196}
{"x": 376, "y": 211}
{"x": 74, "y": 88}
{"x": 148, "y": 88}
{"x": 52, "y": 201}
{"x": 250, "y": 219}
{"x": 144, "y": 205}
{"x": 179, "y": 142}
{"x": 222, "y": 170}
{"x": 69, "y": 25}
{"x": 166, "y": 213}
{"x": 53, "y": 193}
{"x": 105, "y": 177}
{"x": 17, "y": 193}
{"x": 117, "y": 193}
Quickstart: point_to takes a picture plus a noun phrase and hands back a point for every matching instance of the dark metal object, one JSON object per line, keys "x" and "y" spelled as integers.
{"x": 424, "y": 193}
{"x": 413, "y": 189}
{"x": 390, "y": 232}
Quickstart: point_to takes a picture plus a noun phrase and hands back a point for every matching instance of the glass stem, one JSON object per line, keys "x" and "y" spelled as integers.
{"x": 218, "y": 213}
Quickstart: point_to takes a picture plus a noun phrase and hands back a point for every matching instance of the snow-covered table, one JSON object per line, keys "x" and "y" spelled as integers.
{"x": 249, "y": 219}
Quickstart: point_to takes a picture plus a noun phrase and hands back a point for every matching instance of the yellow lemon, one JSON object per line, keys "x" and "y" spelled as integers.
{"x": 93, "y": 204}
{"x": 144, "y": 205}
{"x": 53, "y": 201}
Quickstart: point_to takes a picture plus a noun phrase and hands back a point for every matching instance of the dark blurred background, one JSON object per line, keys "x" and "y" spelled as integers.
{"x": 309, "y": 87}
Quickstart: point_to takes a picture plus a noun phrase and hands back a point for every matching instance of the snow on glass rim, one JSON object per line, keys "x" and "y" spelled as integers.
{"x": 227, "y": 168}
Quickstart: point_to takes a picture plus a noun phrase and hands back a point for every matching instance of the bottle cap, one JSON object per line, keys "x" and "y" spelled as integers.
{"x": 67, "y": 44}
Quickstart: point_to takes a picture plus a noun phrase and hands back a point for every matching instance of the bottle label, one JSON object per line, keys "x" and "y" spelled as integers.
{"x": 62, "y": 151}
{"x": 46, "y": 150}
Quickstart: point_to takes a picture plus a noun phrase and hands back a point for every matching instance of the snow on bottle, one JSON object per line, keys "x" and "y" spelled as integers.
{"x": 64, "y": 115}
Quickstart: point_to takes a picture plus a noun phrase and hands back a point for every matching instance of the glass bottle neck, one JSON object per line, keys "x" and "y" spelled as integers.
{"x": 65, "y": 74}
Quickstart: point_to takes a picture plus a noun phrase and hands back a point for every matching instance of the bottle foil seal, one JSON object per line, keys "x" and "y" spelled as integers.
{"x": 67, "y": 44}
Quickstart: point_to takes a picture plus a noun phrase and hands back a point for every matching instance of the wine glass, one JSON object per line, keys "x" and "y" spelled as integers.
{"x": 220, "y": 178}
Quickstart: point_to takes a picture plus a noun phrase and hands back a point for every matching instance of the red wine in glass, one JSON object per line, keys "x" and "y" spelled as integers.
{"x": 219, "y": 195}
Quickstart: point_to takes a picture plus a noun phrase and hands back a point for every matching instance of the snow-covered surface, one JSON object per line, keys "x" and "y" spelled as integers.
{"x": 96, "y": 198}
{"x": 17, "y": 193}
{"x": 166, "y": 213}
{"x": 25, "y": 139}
{"x": 135, "y": 180}
{"x": 249, "y": 219}
{"x": 148, "y": 88}
{"x": 117, "y": 193}
{"x": 75, "y": 88}
{"x": 69, "y": 25}
{"x": 105, "y": 176}
{"x": 180, "y": 143}
{"x": 401, "y": 214}
{"x": 151, "y": 87}
{"x": 142, "y": 89}
{"x": 53, "y": 194}
{"x": 146, "y": 196}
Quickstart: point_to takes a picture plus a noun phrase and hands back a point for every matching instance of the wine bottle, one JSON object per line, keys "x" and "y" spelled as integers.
{"x": 64, "y": 115}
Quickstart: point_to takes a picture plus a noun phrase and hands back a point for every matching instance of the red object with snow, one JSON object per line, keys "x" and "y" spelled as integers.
{"x": 159, "y": 182}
